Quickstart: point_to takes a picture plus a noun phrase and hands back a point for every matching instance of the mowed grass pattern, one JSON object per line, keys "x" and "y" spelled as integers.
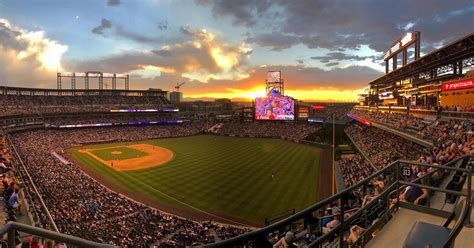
{"x": 125, "y": 153}
{"x": 225, "y": 175}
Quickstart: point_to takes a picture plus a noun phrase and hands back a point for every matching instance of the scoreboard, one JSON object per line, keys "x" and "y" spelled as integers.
{"x": 303, "y": 113}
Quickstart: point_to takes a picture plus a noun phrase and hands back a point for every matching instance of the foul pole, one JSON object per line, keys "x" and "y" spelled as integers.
{"x": 333, "y": 153}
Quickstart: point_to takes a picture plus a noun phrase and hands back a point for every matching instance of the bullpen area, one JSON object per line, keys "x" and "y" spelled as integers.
{"x": 232, "y": 180}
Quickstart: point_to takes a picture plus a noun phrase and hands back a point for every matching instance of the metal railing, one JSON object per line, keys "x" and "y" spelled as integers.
{"x": 404, "y": 109}
{"x": 279, "y": 216}
{"x": 35, "y": 189}
{"x": 382, "y": 204}
{"x": 12, "y": 227}
{"x": 456, "y": 114}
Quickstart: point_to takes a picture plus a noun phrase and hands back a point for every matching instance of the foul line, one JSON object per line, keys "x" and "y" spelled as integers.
{"x": 184, "y": 203}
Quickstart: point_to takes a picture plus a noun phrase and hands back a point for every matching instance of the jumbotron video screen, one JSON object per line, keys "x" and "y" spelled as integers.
{"x": 275, "y": 107}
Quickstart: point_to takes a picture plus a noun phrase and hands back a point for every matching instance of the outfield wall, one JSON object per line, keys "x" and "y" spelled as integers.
{"x": 305, "y": 142}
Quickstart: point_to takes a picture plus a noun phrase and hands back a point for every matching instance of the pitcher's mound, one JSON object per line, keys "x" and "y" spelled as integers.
{"x": 116, "y": 152}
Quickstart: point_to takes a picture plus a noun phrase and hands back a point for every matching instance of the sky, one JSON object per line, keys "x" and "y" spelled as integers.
{"x": 326, "y": 50}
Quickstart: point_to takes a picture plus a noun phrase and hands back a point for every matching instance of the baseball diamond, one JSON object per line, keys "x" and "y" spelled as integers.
{"x": 203, "y": 174}
{"x": 130, "y": 157}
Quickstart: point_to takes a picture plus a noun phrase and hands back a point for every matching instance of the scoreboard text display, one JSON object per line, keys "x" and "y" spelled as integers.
{"x": 273, "y": 76}
{"x": 303, "y": 113}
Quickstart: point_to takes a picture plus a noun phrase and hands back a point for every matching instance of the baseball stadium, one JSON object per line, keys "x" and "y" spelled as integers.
{"x": 243, "y": 151}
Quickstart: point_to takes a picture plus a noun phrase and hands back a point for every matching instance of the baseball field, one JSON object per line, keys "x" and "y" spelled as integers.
{"x": 227, "y": 179}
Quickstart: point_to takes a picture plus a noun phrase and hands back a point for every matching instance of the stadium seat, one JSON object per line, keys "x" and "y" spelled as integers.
{"x": 456, "y": 185}
{"x": 422, "y": 234}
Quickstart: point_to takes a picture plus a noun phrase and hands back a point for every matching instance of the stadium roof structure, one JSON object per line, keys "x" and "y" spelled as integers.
{"x": 459, "y": 53}
{"x": 21, "y": 91}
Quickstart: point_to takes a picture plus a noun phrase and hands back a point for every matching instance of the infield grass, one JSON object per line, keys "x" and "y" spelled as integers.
{"x": 123, "y": 153}
{"x": 228, "y": 176}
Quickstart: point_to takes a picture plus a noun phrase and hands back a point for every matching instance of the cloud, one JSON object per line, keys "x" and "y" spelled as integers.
{"x": 184, "y": 34}
{"x": 339, "y": 56}
{"x": 201, "y": 56}
{"x": 104, "y": 24}
{"x": 121, "y": 32}
{"x": 28, "y": 57}
{"x": 213, "y": 67}
{"x": 163, "y": 25}
{"x": 242, "y": 12}
{"x": 276, "y": 41}
{"x": 208, "y": 63}
{"x": 9, "y": 38}
{"x": 332, "y": 64}
{"x": 336, "y": 42}
{"x": 113, "y": 2}
{"x": 196, "y": 33}
{"x": 341, "y": 24}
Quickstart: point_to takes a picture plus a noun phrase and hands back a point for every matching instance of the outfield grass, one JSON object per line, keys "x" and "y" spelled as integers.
{"x": 126, "y": 153}
{"x": 225, "y": 175}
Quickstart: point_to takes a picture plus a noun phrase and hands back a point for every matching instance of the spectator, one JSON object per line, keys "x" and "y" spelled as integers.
{"x": 286, "y": 241}
{"x": 14, "y": 202}
{"x": 355, "y": 233}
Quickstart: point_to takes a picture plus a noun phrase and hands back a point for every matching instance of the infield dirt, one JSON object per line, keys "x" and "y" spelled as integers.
{"x": 157, "y": 155}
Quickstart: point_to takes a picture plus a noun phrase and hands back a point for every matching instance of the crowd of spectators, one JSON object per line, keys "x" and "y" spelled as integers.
{"x": 325, "y": 219}
{"x": 14, "y": 105}
{"x": 383, "y": 147}
{"x": 458, "y": 108}
{"x": 354, "y": 169}
{"x": 5, "y": 157}
{"x": 10, "y": 186}
{"x": 82, "y": 207}
{"x": 330, "y": 111}
{"x": 267, "y": 129}
{"x": 451, "y": 139}
{"x": 393, "y": 119}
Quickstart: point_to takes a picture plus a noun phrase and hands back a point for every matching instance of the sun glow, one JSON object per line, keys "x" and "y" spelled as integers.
{"x": 158, "y": 68}
{"x": 223, "y": 60}
{"x": 304, "y": 95}
{"x": 254, "y": 93}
